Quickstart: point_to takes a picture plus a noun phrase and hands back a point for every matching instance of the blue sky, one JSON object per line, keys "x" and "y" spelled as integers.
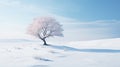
{"x": 81, "y": 19}
{"x": 83, "y": 10}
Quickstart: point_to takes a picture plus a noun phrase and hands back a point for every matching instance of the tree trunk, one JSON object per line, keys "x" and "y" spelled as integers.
{"x": 43, "y": 39}
{"x": 44, "y": 42}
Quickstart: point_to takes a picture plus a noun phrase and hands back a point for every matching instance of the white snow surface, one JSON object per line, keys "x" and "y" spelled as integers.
{"x": 96, "y": 53}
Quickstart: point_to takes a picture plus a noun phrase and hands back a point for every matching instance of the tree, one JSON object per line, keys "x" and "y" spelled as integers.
{"x": 45, "y": 27}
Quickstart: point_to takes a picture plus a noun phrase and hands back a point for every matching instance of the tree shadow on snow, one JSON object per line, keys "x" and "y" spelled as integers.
{"x": 66, "y": 48}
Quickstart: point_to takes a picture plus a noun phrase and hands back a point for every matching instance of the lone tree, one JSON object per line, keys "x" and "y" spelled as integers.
{"x": 45, "y": 27}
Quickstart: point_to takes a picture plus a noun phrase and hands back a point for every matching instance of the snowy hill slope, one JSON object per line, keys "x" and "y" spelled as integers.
{"x": 104, "y": 43}
{"x": 96, "y": 53}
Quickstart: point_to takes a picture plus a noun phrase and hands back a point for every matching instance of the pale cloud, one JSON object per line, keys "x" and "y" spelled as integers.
{"x": 23, "y": 6}
{"x": 9, "y": 3}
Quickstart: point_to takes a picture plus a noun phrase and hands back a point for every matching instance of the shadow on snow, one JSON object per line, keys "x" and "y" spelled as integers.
{"x": 39, "y": 66}
{"x": 84, "y": 50}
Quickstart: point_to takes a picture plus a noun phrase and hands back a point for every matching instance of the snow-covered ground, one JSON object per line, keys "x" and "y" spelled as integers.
{"x": 96, "y": 53}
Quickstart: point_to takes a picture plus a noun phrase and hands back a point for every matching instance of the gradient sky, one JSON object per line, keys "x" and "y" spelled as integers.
{"x": 81, "y": 19}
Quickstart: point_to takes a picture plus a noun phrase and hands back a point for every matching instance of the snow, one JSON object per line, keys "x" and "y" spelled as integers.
{"x": 96, "y": 53}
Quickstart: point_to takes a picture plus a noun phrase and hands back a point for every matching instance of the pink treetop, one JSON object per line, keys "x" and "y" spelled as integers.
{"x": 44, "y": 27}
